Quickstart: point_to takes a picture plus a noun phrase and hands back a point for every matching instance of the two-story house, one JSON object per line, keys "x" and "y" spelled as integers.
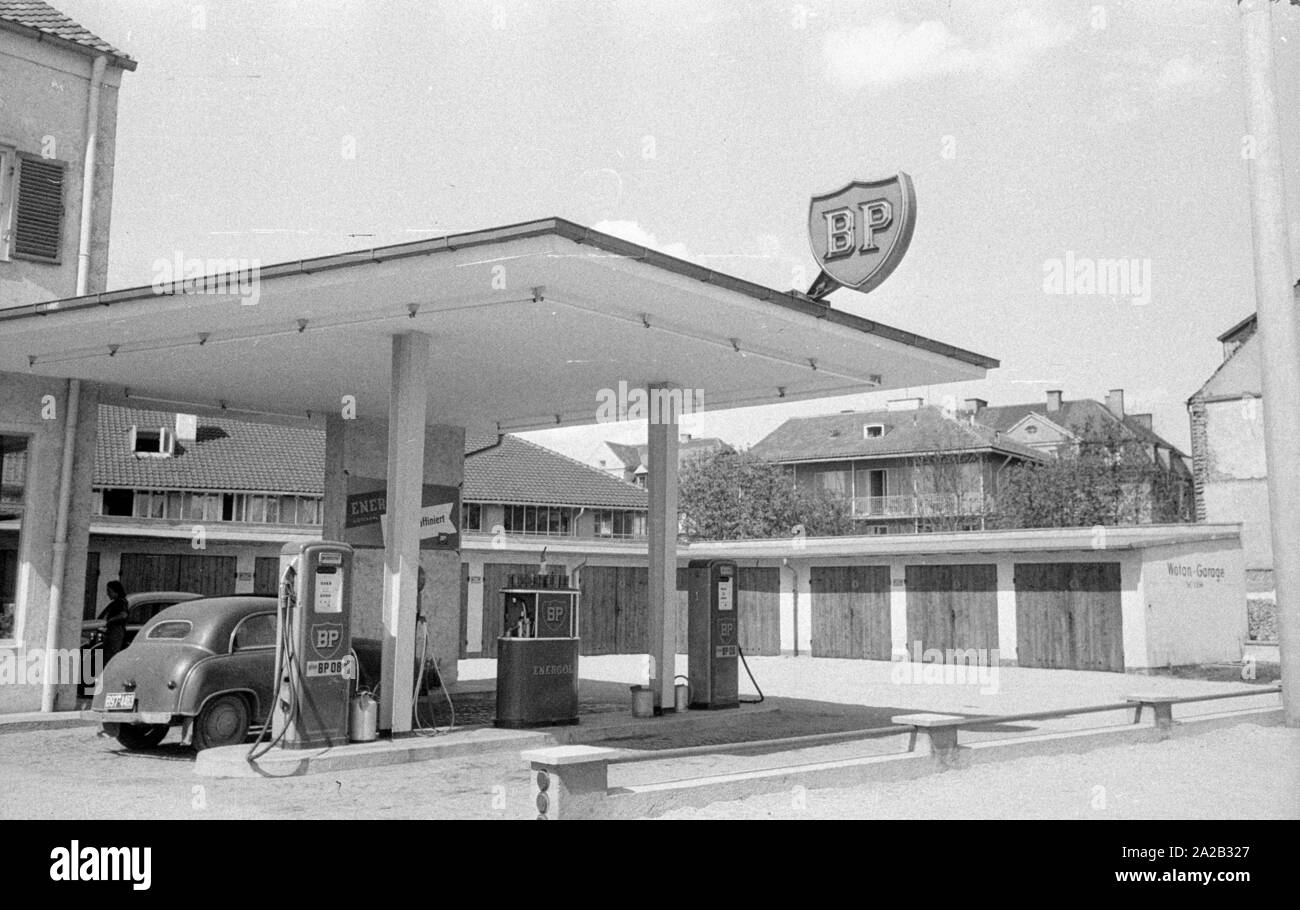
{"x": 628, "y": 461}
{"x": 911, "y": 467}
{"x": 1057, "y": 426}
{"x": 59, "y": 87}
{"x": 204, "y": 504}
{"x": 1229, "y": 464}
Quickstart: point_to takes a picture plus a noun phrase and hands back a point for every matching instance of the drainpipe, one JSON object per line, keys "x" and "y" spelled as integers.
{"x": 70, "y": 413}
{"x": 88, "y": 174}
{"x": 794, "y": 600}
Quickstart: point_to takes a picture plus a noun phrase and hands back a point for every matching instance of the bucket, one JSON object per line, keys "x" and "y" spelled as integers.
{"x": 363, "y": 719}
{"x": 643, "y": 701}
{"x": 682, "y": 697}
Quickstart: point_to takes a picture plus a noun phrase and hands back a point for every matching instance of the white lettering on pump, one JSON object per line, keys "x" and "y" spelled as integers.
{"x": 724, "y": 594}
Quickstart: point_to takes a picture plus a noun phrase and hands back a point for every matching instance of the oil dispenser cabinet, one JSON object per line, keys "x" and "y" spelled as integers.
{"x": 313, "y": 634}
{"x": 537, "y": 653}
{"x": 713, "y": 634}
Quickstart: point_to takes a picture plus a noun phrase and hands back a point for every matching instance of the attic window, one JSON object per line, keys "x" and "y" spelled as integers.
{"x": 873, "y": 431}
{"x": 1031, "y": 430}
{"x": 155, "y": 442}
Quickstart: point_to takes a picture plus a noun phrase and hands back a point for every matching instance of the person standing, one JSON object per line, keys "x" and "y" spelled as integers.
{"x": 114, "y": 617}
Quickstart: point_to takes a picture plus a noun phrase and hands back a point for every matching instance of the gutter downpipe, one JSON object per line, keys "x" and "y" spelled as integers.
{"x": 71, "y": 409}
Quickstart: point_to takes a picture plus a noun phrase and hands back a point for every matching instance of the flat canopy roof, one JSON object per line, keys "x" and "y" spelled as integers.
{"x": 528, "y": 324}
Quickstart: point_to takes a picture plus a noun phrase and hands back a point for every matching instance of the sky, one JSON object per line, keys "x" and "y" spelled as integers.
{"x": 1033, "y": 132}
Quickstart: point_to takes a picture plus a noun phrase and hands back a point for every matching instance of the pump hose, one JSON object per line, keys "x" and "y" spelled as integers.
{"x": 425, "y": 657}
{"x": 749, "y": 701}
{"x": 284, "y": 647}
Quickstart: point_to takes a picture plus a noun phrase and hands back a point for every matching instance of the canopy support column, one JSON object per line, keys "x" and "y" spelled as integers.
{"x": 661, "y": 528}
{"x": 406, "y": 422}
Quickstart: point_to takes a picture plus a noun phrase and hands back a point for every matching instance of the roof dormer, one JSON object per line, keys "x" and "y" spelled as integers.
{"x": 152, "y": 442}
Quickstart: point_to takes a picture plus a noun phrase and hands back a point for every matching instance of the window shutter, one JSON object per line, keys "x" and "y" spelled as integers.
{"x": 38, "y": 215}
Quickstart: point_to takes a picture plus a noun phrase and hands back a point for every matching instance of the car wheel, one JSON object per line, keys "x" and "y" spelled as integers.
{"x": 222, "y": 722}
{"x": 139, "y": 737}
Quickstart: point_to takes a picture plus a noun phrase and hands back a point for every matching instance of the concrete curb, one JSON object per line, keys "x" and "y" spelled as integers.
{"x": 16, "y": 723}
{"x": 232, "y": 761}
{"x": 650, "y": 800}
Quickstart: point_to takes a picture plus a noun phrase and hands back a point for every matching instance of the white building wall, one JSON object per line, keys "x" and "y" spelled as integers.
{"x": 1195, "y": 603}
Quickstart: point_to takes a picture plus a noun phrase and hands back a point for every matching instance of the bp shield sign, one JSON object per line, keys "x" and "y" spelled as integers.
{"x": 860, "y": 232}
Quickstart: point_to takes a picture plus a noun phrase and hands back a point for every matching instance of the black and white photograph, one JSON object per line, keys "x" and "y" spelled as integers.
{"x": 562, "y": 410}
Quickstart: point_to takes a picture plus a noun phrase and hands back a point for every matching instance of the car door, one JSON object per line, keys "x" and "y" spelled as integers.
{"x": 252, "y": 661}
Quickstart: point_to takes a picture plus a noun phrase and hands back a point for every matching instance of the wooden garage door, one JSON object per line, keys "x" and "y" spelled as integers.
{"x": 1068, "y": 616}
{"x": 266, "y": 575}
{"x": 952, "y": 607}
{"x": 615, "y": 606}
{"x": 495, "y": 577}
{"x": 464, "y": 610}
{"x": 198, "y": 574}
{"x": 758, "y": 603}
{"x": 850, "y": 612}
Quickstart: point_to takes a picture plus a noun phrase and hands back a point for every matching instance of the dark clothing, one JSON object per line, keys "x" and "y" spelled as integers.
{"x": 114, "y": 617}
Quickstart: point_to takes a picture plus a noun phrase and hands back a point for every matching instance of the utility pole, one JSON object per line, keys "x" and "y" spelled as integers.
{"x": 1279, "y": 335}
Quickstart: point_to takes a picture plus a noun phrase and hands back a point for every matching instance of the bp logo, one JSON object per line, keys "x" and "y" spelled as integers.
{"x": 325, "y": 638}
{"x": 860, "y": 232}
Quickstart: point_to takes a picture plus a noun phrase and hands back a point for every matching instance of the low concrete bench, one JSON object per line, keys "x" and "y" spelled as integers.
{"x": 569, "y": 781}
{"x": 935, "y": 735}
{"x": 573, "y": 781}
{"x": 1161, "y": 705}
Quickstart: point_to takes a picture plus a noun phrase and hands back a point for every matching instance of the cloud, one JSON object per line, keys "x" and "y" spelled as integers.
{"x": 632, "y": 232}
{"x": 891, "y": 52}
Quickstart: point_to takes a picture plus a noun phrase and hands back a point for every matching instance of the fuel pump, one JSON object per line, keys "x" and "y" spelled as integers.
{"x": 714, "y": 634}
{"x": 314, "y": 666}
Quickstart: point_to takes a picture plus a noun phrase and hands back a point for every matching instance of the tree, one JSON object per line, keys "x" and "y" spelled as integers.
{"x": 733, "y": 496}
{"x": 1107, "y": 478}
{"x": 946, "y": 480}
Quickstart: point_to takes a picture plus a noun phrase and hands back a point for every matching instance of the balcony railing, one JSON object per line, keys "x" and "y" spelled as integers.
{"x": 921, "y": 505}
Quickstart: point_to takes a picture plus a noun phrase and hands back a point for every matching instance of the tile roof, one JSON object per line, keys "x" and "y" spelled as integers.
{"x": 634, "y": 456}
{"x": 42, "y": 17}
{"x": 519, "y": 471}
{"x": 1073, "y": 415}
{"x": 926, "y": 429}
{"x": 227, "y": 455}
{"x": 241, "y": 455}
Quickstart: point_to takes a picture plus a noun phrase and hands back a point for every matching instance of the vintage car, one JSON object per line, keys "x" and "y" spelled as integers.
{"x": 207, "y": 666}
{"x": 140, "y": 608}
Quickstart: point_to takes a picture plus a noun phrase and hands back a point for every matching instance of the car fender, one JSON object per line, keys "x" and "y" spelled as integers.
{"x": 223, "y": 674}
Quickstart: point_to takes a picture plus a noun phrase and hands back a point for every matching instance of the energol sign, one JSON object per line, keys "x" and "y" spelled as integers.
{"x": 860, "y": 232}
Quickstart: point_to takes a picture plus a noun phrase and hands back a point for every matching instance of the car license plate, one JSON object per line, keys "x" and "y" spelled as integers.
{"x": 325, "y": 667}
{"x": 119, "y": 701}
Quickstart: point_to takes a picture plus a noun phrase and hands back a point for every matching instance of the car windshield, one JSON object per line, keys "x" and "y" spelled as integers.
{"x": 171, "y": 630}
